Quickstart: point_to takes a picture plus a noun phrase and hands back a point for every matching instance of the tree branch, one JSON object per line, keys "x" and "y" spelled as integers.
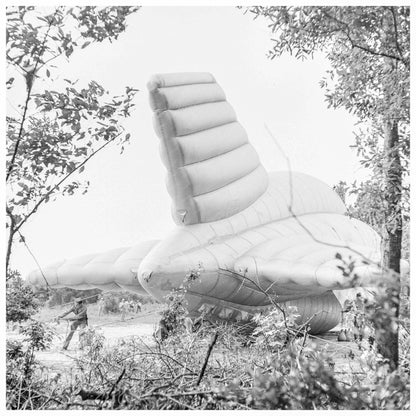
{"x": 58, "y": 55}
{"x": 356, "y": 45}
{"x": 11, "y": 235}
{"x": 36, "y": 261}
{"x": 372, "y": 52}
{"x": 12, "y": 61}
{"x": 29, "y": 93}
{"x": 396, "y": 33}
{"x": 47, "y": 195}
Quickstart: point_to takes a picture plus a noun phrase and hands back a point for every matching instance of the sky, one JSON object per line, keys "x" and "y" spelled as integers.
{"x": 127, "y": 201}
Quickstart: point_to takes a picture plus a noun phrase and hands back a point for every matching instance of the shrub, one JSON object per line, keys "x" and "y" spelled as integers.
{"x": 23, "y": 384}
{"x": 21, "y": 303}
{"x": 214, "y": 367}
{"x": 111, "y": 304}
{"x": 275, "y": 328}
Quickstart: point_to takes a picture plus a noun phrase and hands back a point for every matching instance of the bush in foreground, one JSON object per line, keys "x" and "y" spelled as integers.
{"x": 217, "y": 366}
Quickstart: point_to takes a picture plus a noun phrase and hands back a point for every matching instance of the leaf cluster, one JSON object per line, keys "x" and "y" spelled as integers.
{"x": 21, "y": 302}
{"x": 368, "y": 48}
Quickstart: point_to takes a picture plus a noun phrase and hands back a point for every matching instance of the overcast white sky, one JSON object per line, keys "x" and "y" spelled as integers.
{"x": 127, "y": 200}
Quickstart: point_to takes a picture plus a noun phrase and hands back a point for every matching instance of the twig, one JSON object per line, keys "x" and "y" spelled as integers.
{"x": 257, "y": 285}
{"x": 35, "y": 259}
{"x": 210, "y": 347}
{"x": 117, "y": 381}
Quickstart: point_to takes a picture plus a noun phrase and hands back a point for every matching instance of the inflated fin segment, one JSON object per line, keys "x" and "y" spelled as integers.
{"x": 213, "y": 170}
{"x": 113, "y": 270}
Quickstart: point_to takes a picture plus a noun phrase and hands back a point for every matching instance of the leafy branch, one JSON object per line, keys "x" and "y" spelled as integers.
{"x": 30, "y": 77}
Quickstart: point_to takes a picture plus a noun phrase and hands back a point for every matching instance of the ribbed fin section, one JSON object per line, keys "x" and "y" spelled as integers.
{"x": 174, "y": 98}
{"x": 213, "y": 171}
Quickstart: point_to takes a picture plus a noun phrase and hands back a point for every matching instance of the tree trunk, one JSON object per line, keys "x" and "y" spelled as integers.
{"x": 388, "y": 337}
{"x": 9, "y": 251}
{"x": 9, "y": 242}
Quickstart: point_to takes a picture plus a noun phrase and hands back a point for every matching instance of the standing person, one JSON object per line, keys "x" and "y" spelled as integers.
{"x": 123, "y": 305}
{"x": 80, "y": 320}
{"x": 359, "y": 319}
{"x": 138, "y": 307}
{"x": 131, "y": 306}
{"x": 359, "y": 303}
{"x": 101, "y": 304}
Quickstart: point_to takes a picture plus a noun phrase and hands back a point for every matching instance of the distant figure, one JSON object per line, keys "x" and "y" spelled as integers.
{"x": 359, "y": 318}
{"x": 189, "y": 325}
{"x": 359, "y": 303}
{"x": 79, "y": 321}
{"x": 162, "y": 331}
{"x": 121, "y": 308}
{"x": 137, "y": 307}
{"x": 124, "y": 306}
{"x": 101, "y": 304}
{"x": 131, "y": 306}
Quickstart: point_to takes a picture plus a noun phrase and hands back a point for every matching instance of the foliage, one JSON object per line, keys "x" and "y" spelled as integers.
{"x": 55, "y": 132}
{"x": 293, "y": 381}
{"x": 374, "y": 195}
{"x": 272, "y": 328}
{"x": 387, "y": 321}
{"x": 369, "y": 52}
{"x": 368, "y": 48}
{"x": 111, "y": 304}
{"x": 38, "y": 335}
{"x": 366, "y": 202}
{"x": 214, "y": 367}
{"x": 21, "y": 303}
{"x": 66, "y": 295}
{"x": 174, "y": 314}
{"x": 357, "y": 41}
{"x": 22, "y": 367}
{"x": 137, "y": 375}
{"x": 62, "y": 296}
{"x": 93, "y": 343}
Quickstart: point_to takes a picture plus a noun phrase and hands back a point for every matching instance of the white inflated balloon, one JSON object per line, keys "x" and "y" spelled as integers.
{"x": 245, "y": 231}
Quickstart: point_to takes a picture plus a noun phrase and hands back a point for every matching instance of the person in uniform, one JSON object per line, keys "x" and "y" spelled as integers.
{"x": 80, "y": 320}
{"x": 137, "y": 307}
{"x": 124, "y": 306}
{"x": 101, "y": 304}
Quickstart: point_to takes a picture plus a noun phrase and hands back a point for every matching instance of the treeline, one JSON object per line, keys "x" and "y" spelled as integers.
{"x": 112, "y": 299}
